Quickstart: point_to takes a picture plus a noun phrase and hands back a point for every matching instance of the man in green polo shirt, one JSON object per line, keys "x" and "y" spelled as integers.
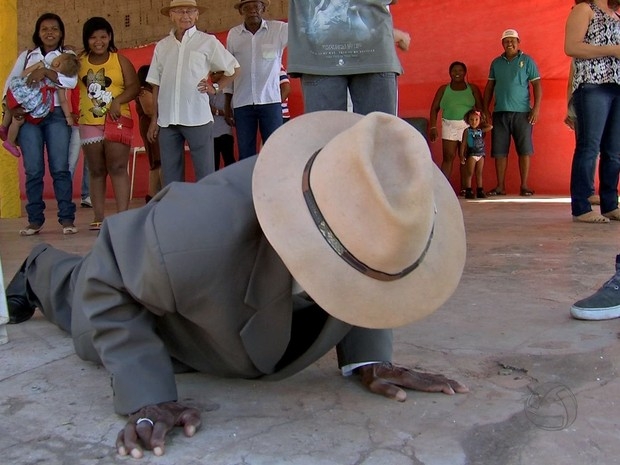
{"x": 510, "y": 77}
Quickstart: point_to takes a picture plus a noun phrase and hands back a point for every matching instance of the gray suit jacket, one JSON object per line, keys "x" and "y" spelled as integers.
{"x": 191, "y": 276}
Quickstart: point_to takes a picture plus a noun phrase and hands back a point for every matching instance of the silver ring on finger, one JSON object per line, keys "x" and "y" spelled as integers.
{"x": 140, "y": 420}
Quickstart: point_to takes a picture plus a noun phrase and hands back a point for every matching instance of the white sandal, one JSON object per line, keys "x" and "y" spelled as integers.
{"x": 590, "y": 217}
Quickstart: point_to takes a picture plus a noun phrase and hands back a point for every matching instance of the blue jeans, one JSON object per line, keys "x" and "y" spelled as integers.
{"x": 369, "y": 92}
{"x": 172, "y": 151}
{"x": 249, "y": 119}
{"x": 52, "y": 134}
{"x": 598, "y": 118}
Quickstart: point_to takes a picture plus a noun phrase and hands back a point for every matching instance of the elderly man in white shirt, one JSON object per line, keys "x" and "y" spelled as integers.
{"x": 179, "y": 74}
{"x": 255, "y": 103}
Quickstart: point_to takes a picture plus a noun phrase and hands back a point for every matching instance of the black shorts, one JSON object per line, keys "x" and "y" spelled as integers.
{"x": 507, "y": 124}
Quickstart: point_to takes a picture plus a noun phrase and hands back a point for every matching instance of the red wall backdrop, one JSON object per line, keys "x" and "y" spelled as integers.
{"x": 443, "y": 32}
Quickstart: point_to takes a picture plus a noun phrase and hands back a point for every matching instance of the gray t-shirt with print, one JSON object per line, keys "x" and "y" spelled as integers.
{"x": 341, "y": 37}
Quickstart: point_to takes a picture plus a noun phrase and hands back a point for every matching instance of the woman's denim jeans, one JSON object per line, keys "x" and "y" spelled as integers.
{"x": 54, "y": 134}
{"x": 598, "y": 121}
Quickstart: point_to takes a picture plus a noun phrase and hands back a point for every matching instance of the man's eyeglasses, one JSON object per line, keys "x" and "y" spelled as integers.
{"x": 186, "y": 11}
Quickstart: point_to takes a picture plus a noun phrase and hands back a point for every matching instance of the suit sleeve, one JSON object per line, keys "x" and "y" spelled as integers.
{"x": 365, "y": 345}
{"x": 123, "y": 322}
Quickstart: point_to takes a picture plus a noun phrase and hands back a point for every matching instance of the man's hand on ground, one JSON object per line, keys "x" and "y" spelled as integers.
{"x": 387, "y": 379}
{"x": 135, "y": 437}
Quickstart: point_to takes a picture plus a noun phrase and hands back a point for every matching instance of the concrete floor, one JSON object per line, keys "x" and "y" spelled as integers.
{"x": 506, "y": 333}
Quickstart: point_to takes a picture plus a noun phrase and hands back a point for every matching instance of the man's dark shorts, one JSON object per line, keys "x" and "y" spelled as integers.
{"x": 515, "y": 124}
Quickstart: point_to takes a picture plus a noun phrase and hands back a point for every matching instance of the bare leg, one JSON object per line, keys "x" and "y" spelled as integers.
{"x": 16, "y": 123}
{"x": 98, "y": 174}
{"x": 116, "y": 159}
{"x": 479, "y": 166}
{"x": 7, "y": 117}
{"x": 524, "y": 169}
{"x": 500, "y": 171}
{"x": 470, "y": 164}
{"x": 154, "y": 181}
{"x": 463, "y": 171}
{"x": 449, "y": 152}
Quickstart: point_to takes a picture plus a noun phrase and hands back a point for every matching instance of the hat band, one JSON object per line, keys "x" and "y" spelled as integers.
{"x": 338, "y": 247}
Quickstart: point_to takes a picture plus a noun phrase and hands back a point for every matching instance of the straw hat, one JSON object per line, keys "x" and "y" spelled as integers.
{"x": 180, "y": 4}
{"x": 377, "y": 238}
{"x": 238, "y": 5}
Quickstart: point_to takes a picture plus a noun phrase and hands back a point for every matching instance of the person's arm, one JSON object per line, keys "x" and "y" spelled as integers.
{"x": 435, "y": 111}
{"x": 74, "y": 101}
{"x": 479, "y": 103}
{"x": 131, "y": 84}
{"x": 215, "y": 110}
{"x": 463, "y": 147}
{"x": 153, "y": 131}
{"x": 139, "y": 110}
{"x": 569, "y": 118}
{"x": 225, "y": 81}
{"x": 228, "y": 111}
{"x": 285, "y": 89}
{"x": 575, "y": 31}
{"x": 19, "y": 65}
{"x": 381, "y": 376}
{"x": 402, "y": 39}
{"x": 154, "y": 77}
{"x": 537, "y": 87}
{"x": 61, "y": 80}
{"x": 126, "y": 339}
{"x": 67, "y": 82}
{"x": 488, "y": 97}
{"x": 569, "y": 83}
{"x": 30, "y": 69}
{"x": 64, "y": 105}
{"x": 221, "y": 59}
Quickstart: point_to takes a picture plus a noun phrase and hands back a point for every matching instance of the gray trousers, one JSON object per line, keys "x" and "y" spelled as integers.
{"x": 369, "y": 92}
{"x": 172, "y": 149}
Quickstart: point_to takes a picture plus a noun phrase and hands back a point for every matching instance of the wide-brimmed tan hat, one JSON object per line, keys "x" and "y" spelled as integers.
{"x": 243, "y": 2}
{"x": 361, "y": 216}
{"x": 180, "y": 4}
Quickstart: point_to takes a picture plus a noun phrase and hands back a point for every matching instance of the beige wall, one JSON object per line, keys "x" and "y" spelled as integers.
{"x": 135, "y": 22}
{"x": 10, "y": 206}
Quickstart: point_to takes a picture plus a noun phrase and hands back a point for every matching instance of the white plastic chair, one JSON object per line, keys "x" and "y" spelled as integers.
{"x": 136, "y": 151}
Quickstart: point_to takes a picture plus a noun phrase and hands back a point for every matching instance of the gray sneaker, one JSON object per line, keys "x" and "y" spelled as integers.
{"x": 86, "y": 203}
{"x": 604, "y": 304}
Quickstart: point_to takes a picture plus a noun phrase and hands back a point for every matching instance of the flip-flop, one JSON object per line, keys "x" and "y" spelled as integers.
{"x": 69, "y": 230}
{"x": 526, "y": 192}
{"x": 590, "y": 217}
{"x": 495, "y": 193}
{"x": 31, "y": 230}
{"x": 95, "y": 226}
{"x": 613, "y": 215}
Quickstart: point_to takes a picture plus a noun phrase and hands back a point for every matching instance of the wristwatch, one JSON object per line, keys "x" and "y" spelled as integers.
{"x": 216, "y": 86}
